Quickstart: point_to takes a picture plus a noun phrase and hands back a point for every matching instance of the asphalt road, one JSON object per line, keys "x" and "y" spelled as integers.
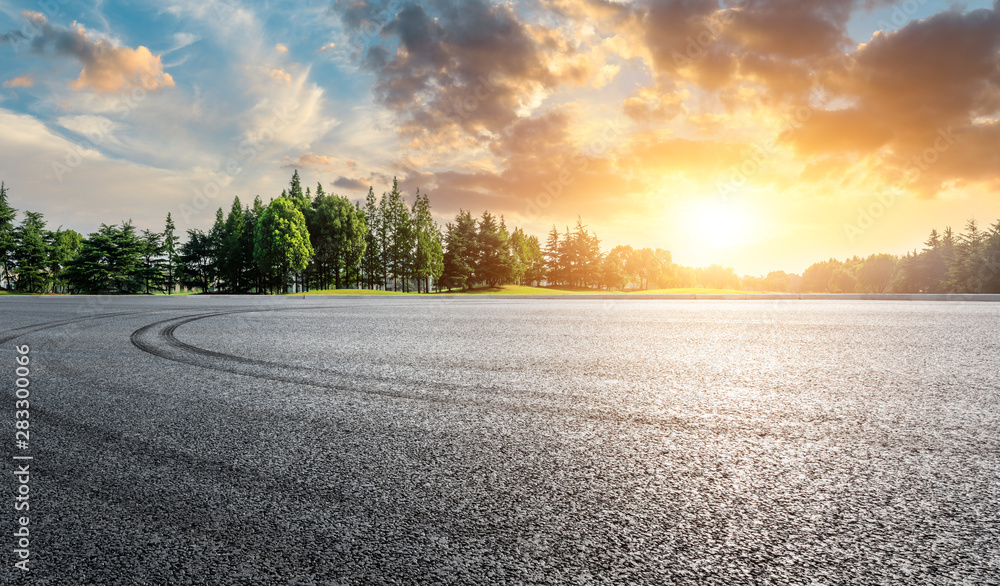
{"x": 389, "y": 440}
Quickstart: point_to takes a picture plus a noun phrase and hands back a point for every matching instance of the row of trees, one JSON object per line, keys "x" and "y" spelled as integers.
{"x": 964, "y": 263}
{"x": 316, "y": 240}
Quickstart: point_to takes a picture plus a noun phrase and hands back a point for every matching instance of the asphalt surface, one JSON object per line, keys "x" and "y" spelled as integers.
{"x": 388, "y": 440}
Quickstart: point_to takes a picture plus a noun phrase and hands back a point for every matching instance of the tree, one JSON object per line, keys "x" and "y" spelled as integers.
{"x": 778, "y": 281}
{"x": 109, "y": 261}
{"x": 718, "y": 277}
{"x": 198, "y": 258}
{"x": 171, "y": 267}
{"x": 7, "y": 242}
{"x": 281, "y": 243}
{"x": 31, "y": 253}
{"x": 64, "y": 245}
{"x": 252, "y": 215}
{"x": 492, "y": 255}
{"x": 554, "y": 270}
{"x": 816, "y": 278}
{"x": 152, "y": 268}
{"x": 876, "y": 273}
{"x": 371, "y": 263}
{"x": 233, "y": 265}
{"x": 531, "y": 258}
{"x": 396, "y": 236}
{"x": 337, "y": 231}
{"x": 842, "y": 281}
{"x": 428, "y": 262}
{"x": 963, "y": 267}
{"x": 614, "y": 274}
{"x": 459, "y": 252}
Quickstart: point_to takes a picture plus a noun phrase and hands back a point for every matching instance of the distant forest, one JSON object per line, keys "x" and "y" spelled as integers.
{"x": 311, "y": 240}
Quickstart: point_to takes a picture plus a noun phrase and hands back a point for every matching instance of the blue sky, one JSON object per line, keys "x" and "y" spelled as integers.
{"x": 629, "y": 114}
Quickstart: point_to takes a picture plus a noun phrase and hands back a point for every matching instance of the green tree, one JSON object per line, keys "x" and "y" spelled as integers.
{"x": 397, "y": 236}
{"x": 371, "y": 262}
{"x": 337, "y": 231}
{"x": 153, "y": 264}
{"x": 7, "y": 241}
{"x": 428, "y": 253}
{"x": 281, "y": 243}
{"x": 109, "y": 261}
{"x": 554, "y": 269}
{"x": 172, "y": 265}
{"x": 964, "y": 266}
{"x": 233, "y": 266}
{"x": 492, "y": 254}
{"x": 31, "y": 254}
{"x": 198, "y": 257}
{"x": 64, "y": 245}
{"x": 459, "y": 252}
{"x": 252, "y": 215}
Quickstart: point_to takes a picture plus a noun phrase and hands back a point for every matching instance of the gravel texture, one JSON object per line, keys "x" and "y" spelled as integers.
{"x": 387, "y": 440}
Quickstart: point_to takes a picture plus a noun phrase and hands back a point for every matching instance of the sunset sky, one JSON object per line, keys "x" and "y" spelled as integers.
{"x": 762, "y": 134}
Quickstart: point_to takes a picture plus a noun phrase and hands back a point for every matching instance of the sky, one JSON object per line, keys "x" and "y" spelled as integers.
{"x": 757, "y": 134}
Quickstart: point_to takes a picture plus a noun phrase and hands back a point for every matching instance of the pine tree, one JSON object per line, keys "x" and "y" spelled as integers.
{"x": 372, "y": 261}
{"x": 553, "y": 258}
{"x": 232, "y": 262}
{"x": 171, "y": 267}
{"x": 7, "y": 241}
{"x": 31, "y": 253}
{"x": 428, "y": 253}
{"x": 459, "y": 252}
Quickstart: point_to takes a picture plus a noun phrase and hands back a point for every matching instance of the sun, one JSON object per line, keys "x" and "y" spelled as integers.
{"x": 714, "y": 223}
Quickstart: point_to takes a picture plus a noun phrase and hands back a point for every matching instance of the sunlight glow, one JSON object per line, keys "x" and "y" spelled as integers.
{"x": 716, "y": 224}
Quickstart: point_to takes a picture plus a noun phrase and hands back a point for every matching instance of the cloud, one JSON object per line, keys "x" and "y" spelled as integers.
{"x": 107, "y": 68}
{"x": 309, "y": 160}
{"x": 14, "y": 36}
{"x": 929, "y": 93}
{"x": 352, "y": 184}
{"x": 25, "y": 80}
{"x": 281, "y": 48}
{"x": 456, "y": 72}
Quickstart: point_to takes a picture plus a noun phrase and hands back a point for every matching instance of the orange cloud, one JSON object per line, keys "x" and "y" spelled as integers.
{"x": 107, "y": 68}
{"x": 25, "y": 80}
{"x": 307, "y": 160}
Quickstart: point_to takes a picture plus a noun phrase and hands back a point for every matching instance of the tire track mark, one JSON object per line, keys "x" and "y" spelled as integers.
{"x": 158, "y": 339}
{"x": 9, "y": 335}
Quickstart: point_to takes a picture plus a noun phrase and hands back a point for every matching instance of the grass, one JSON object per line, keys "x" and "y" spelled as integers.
{"x": 525, "y": 290}
{"x": 349, "y": 292}
{"x": 695, "y": 291}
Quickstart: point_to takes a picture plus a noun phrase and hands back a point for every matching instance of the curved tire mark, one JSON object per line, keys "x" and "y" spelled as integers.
{"x": 159, "y": 340}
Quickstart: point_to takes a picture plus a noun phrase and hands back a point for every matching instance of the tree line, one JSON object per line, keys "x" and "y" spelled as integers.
{"x": 314, "y": 240}
{"x": 948, "y": 263}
